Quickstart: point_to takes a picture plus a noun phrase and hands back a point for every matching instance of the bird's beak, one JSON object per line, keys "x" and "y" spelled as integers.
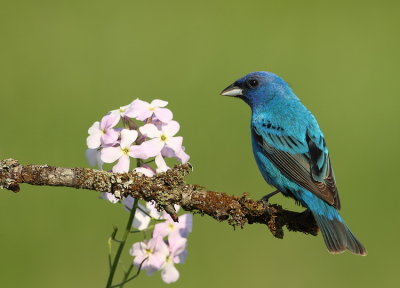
{"x": 232, "y": 90}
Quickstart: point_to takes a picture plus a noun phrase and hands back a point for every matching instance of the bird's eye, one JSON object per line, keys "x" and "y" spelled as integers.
{"x": 253, "y": 83}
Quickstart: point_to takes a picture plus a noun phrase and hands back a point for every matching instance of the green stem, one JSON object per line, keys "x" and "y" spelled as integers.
{"x": 122, "y": 244}
{"x": 126, "y": 276}
{"x": 133, "y": 277}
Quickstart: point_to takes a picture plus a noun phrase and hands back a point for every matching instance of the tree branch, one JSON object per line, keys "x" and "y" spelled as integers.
{"x": 165, "y": 189}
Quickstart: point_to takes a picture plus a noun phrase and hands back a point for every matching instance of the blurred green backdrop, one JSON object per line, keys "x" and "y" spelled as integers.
{"x": 64, "y": 64}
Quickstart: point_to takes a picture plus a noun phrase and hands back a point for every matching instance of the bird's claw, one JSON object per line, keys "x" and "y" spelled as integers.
{"x": 265, "y": 199}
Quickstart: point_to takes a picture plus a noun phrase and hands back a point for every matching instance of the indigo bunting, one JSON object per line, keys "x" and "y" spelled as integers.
{"x": 291, "y": 154}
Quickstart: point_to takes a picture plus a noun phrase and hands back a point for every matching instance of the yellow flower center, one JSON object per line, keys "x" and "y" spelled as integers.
{"x": 151, "y": 108}
{"x": 163, "y": 138}
{"x": 125, "y": 151}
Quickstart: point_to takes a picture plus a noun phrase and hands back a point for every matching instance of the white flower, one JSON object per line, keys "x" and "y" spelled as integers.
{"x": 145, "y": 170}
{"x": 152, "y": 253}
{"x": 178, "y": 252}
{"x": 163, "y": 137}
{"x": 141, "y": 220}
{"x": 161, "y": 165}
{"x": 121, "y": 153}
{"x": 143, "y": 215}
{"x": 171, "y": 228}
{"x": 143, "y": 110}
{"x": 93, "y": 158}
{"x": 102, "y": 132}
{"x": 120, "y": 113}
{"x": 109, "y": 197}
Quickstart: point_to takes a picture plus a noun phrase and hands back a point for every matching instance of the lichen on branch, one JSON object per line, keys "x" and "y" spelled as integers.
{"x": 165, "y": 189}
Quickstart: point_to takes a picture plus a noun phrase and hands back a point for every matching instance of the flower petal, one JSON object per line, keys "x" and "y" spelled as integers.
{"x": 137, "y": 151}
{"x": 93, "y": 140}
{"x": 169, "y": 273}
{"x": 150, "y": 130}
{"x": 154, "y": 213}
{"x": 177, "y": 244}
{"x": 128, "y": 137}
{"x": 141, "y": 220}
{"x": 109, "y": 121}
{"x": 94, "y": 128}
{"x": 136, "y": 108}
{"x": 111, "y": 154}
{"x": 161, "y": 230}
{"x": 163, "y": 114}
{"x": 110, "y": 137}
{"x": 158, "y": 103}
{"x": 128, "y": 202}
{"x": 120, "y": 112}
{"x": 175, "y": 143}
{"x": 144, "y": 115}
{"x": 161, "y": 165}
{"x": 160, "y": 251}
{"x": 181, "y": 258}
{"x": 149, "y": 148}
{"x": 157, "y": 244}
{"x": 91, "y": 156}
{"x": 109, "y": 197}
{"x": 167, "y": 152}
{"x": 144, "y": 171}
{"x": 139, "y": 259}
{"x": 137, "y": 248}
{"x": 182, "y": 156}
{"x": 123, "y": 164}
{"x": 185, "y": 224}
{"x": 171, "y": 128}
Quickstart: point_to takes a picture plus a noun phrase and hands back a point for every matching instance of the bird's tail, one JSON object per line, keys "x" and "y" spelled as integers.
{"x": 337, "y": 235}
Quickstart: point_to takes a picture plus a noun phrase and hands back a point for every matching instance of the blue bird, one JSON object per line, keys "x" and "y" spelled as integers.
{"x": 291, "y": 153}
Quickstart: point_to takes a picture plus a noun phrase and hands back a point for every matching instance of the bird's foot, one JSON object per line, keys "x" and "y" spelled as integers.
{"x": 265, "y": 199}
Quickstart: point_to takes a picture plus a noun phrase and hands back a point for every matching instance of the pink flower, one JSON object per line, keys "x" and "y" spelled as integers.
{"x": 160, "y": 139}
{"x": 121, "y": 153}
{"x": 141, "y": 110}
{"x": 143, "y": 215}
{"x": 180, "y": 155}
{"x": 93, "y": 158}
{"x": 152, "y": 210}
{"x": 141, "y": 220}
{"x": 102, "y": 132}
{"x": 150, "y": 172}
{"x": 119, "y": 113}
{"x": 145, "y": 170}
{"x": 161, "y": 165}
{"x": 153, "y": 252}
{"x": 177, "y": 247}
{"x": 170, "y": 228}
{"x": 178, "y": 252}
{"x": 109, "y": 197}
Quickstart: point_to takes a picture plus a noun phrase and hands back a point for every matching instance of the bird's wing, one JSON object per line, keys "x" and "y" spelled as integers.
{"x": 304, "y": 161}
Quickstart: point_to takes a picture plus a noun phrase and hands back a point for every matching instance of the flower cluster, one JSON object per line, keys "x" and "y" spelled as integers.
{"x": 167, "y": 246}
{"x": 156, "y": 138}
{"x": 147, "y": 135}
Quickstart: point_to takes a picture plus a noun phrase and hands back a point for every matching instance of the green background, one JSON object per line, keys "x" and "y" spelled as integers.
{"x": 64, "y": 64}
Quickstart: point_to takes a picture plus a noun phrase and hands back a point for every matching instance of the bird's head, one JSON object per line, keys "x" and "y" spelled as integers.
{"x": 258, "y": 88}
